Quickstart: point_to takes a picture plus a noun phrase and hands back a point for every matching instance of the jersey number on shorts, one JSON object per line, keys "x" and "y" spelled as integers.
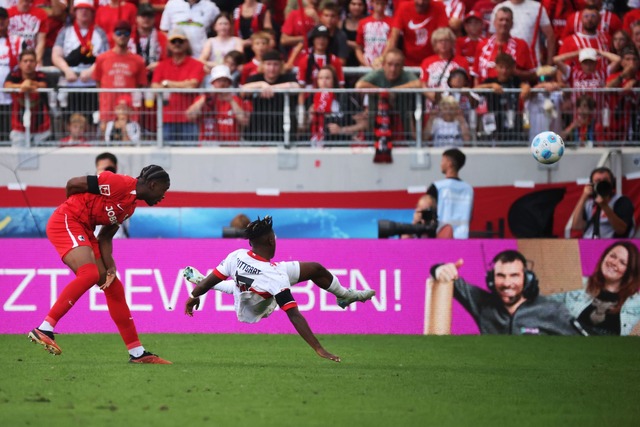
{"x": 243, "y": 282}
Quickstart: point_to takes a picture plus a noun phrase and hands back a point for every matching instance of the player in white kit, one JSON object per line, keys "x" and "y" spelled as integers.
{"x": 258, "y": 284}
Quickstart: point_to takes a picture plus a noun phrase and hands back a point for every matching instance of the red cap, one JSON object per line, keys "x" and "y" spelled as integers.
{"x": 474, "y": 14}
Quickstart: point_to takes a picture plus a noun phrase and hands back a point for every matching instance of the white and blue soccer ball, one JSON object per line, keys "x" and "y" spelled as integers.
{"x": 547, "y": 147}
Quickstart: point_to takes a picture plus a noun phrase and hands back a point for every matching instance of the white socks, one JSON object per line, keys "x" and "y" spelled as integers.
{"x": 46, "y": 326}
{"x": 336, "y": 288}
{"x": 137, "y": 351}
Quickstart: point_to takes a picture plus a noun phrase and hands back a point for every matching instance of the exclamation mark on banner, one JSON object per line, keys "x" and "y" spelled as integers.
{"x": 397, "y": 289}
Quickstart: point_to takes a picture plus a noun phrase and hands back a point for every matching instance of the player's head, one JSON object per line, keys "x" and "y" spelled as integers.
{"x": 453, "y": 158}
{"x": 261, "y": 236}
{"x": 106, "y": 162}
{"x": 153, "y": 183}
{"x": 510, "y": 280}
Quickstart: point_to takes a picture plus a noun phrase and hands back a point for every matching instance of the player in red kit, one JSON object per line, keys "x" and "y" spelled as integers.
{"x": 106, "y": 199}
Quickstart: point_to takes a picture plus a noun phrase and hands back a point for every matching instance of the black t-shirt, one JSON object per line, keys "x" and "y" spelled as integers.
{"x": 266, "y": 119}
{"x": 597, "y": 318}
{"x": 504, "y": 101}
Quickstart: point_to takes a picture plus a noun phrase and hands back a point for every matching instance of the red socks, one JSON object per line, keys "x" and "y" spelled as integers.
{"x": 86, "y": 276}
{"x": 121, "y": 315}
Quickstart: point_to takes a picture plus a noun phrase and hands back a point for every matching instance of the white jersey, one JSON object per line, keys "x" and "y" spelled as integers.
{"x": 257, "y": 282}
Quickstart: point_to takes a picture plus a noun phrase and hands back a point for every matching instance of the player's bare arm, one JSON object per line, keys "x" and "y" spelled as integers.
{"x": 77, "y": 185}
{"x": 300, "y": 323}
{"x": 202, "y": 288}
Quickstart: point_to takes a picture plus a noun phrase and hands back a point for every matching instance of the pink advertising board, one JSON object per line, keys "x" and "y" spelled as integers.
{"x": 32, "y": 275}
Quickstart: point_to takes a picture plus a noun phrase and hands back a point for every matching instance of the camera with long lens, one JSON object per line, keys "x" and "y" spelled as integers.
{"x": 429, "y": 226}
{"x": 603, "y": 189}
{"x": 232, "y": 233}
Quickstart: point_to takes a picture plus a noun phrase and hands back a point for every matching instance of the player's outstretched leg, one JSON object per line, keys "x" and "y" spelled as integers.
{"x": 45, "y": 339}
{"x": 353, "y": 296}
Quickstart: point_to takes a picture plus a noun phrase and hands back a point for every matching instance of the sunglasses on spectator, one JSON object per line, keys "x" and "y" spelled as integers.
{"x": 177, "y": 41}
{"x": 122, "y": 33}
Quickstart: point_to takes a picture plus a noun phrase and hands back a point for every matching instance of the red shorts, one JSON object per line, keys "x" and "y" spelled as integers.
{"x": 66, "y": 233}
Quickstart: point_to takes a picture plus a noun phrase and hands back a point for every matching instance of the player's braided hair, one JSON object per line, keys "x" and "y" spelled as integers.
{"x": 154, "y": 173}
{"x": 258, "y": 228}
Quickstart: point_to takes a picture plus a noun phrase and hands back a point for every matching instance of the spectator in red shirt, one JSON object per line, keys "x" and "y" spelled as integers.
{"x": 502, "y": 42}
{"x": 118, "y": 69}
{"x": 559, "y": 11}
{"x": 588, "y": 37}
{"x": 629, "y": 18}
{"x": 626, "y": 105}
{"x": 77, "y": 127}
{"x": 468, "y": 44}
{"x": 28, "y": 80}
{"x": 259, "y": 45}
{"x": 372, "y": 34}
{"x": 117, "y": 10}
{"x": 318, "y": 56}
{"x": 30, "y": 23}
{"x": 178, "y": 71}
{"x": 416, "y": 22}
{"x": 608, "y": 24}
{"x": 298, "y": 23}
{"x": 250, "y": 17}
{"x": 56, "y": 11}
{"x": 220, "y": 114}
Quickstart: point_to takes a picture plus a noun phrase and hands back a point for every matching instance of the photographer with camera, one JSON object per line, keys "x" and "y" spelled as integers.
{"x": 425, "y": 220}
{"x": 601, "y": 213}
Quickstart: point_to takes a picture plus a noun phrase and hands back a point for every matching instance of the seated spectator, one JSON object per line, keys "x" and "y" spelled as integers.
{"x": 30, "y": 23}
{"x": 329, "y": 112}
{"x": 601, "y": 213}
{"x": 28, "y": 80}
{"x": 468, "y": 44}
{"x": 10, "y": 48}
{"x": 259, "y": 45}
{"x": 194, "y": 17}
{"x": 77, "y": 127}
{"x": 356, "y": 11}
{"x": 112, "y": 13}
{"x": 122, "y": 129}
{"x": 178, "y": 71}
{"x": 76, "y": 49}
{"x": 221, "y": 43}
{"x": 266, "y": 122}
{"x": 234, "y": 60}
{"x": 503, "y": 116}
{"x": 372, "y": 34}
{"x": 220, "y": 114}
{"x": 250, "y": 17}
{"x": 447, "y": 126}
{"x": 119, "y": 69}
{"x": 584, "y": 130}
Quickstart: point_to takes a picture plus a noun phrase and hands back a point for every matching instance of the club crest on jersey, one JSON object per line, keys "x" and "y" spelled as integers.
{"x": 105, "y": 190}
{"x": 81, "y": 238}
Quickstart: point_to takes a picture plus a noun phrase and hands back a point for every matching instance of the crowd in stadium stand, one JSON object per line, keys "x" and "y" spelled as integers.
{"x": 506, "y": 48}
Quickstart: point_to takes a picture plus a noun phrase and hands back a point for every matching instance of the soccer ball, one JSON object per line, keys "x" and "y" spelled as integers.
{"x": 547, "y": 147}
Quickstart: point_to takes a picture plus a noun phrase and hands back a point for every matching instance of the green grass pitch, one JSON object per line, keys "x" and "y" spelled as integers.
{"x": 277, "y": 380}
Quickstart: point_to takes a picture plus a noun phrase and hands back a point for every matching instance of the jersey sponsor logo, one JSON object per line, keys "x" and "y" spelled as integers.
{"x": 413, "y": 26}
{"x": 111, "y": 214}
{"x": 105, "y": 190}
{"x": 119, "y": 207}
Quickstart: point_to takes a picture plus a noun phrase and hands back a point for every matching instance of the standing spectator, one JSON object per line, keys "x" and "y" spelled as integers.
{"x": 451, "y": 196}
{"x": 76, "y": 49}
{"x": 372, "y": 34}
{"x": 266, "y": 122}
{"x": 10, "y": 48}
{"x": 626, "y": 104}
{"x": 356, "y": 12}
{"x": 559, "y": 11}
{"x": 338, "y": 42}
{"x": 447, "y": 126}
{"x": 502, "y": 41}
{"x": 30, "y": 23}
{"x": 416, "y": 22}
{"x": 221, "y": 43}
{"x": 56, "y": 11}
{"x": 620, "y": 40}
{"x": 118, "y": 69}
{"x": 178, "y": 71}
{"x": 109, "y": 15}
{"x": 194, "y": 17}
{"x": 456, "y": 10}
{"x": 250, "y": 17}
{"x": 608, "y": 24}
{"x": 601, "y": 213}
{"x": 298, "y": 24}
{"x": 588, "y": 37}
{"x": 220, "y": 114}
{"x": 259, "y": 45}
{"x": 122, "y": 128}
{"x": 631, "y": 17}
{"x": 77, "y": 128}
{"x": 468, "y": 44}
{"x": 485, "y": 9}
{"x": 28, "y": 80}
{"x": 309, "y": 64}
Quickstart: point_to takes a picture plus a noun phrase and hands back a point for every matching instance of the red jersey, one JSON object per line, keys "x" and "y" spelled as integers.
{"x": 609, "y": 23}
{"x": 558, "y": 11}
{"x": 575, "y": 42}
{"x": 629, "y": 18}
{"x": 298, "y": 23}
{"x": 434, "y": 70}
{"x": 417, "y": 29}
{"x": 317, "y": 62}
{"x": 485, "y": 8}
{"x": 484, "y": 64}
{"x": 39, "y": 105}
{"x": 115, "y": 203}
{"x": 108, "y": 16}
{"x": 578, "y": 79}
{"x": 28, "y": 24}
{"x": 218, "y": 119}
{"x": 372, "y": 35}
{"x": 114, "y": 71}
{"x": 248, "y": 70}
{"x": 178, "y": 103}
{"x": 466, "y": 46}
{"x": 455, "y": 9}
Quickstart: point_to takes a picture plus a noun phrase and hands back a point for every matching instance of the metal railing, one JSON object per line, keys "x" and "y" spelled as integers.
{"x": 161, "y": 117}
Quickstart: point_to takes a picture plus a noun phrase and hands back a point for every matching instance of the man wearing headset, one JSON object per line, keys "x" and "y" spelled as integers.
{"x": 512, "y": 305}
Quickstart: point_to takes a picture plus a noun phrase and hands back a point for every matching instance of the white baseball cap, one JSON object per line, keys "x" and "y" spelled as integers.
{"x": 220, "y": 72}
{"x": 588, "y": 53}
{"x": 87, "y": 4}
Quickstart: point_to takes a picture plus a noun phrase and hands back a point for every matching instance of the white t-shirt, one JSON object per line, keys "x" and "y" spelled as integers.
{"x": 257, "y": 282}
{"x": 68, "y": 40}
{"x": 194, "y": 20}
{"x": 446, "y": 134}
{"x": 15, "y": 44}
